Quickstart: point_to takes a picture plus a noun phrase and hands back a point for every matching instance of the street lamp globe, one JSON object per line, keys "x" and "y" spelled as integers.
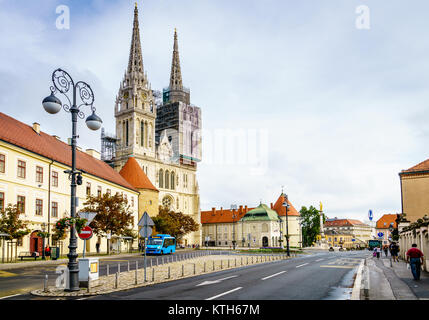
{"x": 93, "y": 122}
{"x": 51, "y": 104}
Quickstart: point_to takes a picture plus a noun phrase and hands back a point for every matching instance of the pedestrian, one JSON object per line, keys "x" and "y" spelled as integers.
{"x": 394, "y": 251}
{"x": 415, "y": 259}
{"x": 385, "y": 250}
{"x": 47, "y": 252}
{"x": 374, "y": 252}
{"x": 378, "y": 251}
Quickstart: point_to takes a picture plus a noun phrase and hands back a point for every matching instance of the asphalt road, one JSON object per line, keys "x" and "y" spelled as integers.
{"x": 314, "y": 276}
{"x": 318, "y": 276}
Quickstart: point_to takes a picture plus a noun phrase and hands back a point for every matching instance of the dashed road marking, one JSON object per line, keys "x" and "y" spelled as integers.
{"x": 273, "y": 275}
{"x": 5, "y": 274}
{"x": 301, "y": 265}
{"x": 225, "y": 293}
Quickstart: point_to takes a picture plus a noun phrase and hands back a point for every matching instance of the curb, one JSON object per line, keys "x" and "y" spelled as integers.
{"x": 358, "y": 282}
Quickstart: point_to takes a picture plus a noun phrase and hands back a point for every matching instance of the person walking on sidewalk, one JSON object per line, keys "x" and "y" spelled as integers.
{"x": 385, "y": 248}
{"x": 377, "y": 252}
{"x": 415, "y": 259}
{"x": 394, "y": 250}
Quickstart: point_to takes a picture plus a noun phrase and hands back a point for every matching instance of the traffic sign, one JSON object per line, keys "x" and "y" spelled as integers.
{"x": 370, "y": 216}
{"x": 89, "y": 216}
{"x": 146, "y": 224}
{"x": 380, "y": 234}
{"x": 85, "y": 233}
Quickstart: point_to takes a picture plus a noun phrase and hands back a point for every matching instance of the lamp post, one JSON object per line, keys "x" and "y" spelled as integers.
{"x": 234, "y": 215}
{"x": 286, "y": 205}
{"x": 63, "y": 83}
{"x": 43, "y": 225}
{"x": 281, "y": 233}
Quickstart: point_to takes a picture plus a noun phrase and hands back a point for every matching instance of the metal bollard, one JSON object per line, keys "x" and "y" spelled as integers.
{"x": 128, "y": 266}
{"x": 213, "y": 265}
{"x": 107, "y": 270}
{"x": 235, "y": 259}
{"x": 153, "y": 274}
{"x": 117, "y": 280}
{"x": 136, "y": 281}
{"x": 229, "y": 266}
{"x": 183, "y": 270}
{"x": 162, "y": 260}
{"x": 247, "y": 260}
{"x": 241, "y": 261}
{"x": 151, "y": 264}
{"x": 119, "y": 267}
{"x": 221, "y": 264}
{"x": 45, "y": 284}
{"x": 194, "y": 268}
{"x": 89, "y": 283}
{"x": 169, "y": 272}
{"x": 204, "y": 266}
{"x": 252, "y": 261}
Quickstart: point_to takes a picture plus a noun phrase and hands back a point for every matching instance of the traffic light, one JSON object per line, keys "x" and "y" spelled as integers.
{"x": 79, "y": 179}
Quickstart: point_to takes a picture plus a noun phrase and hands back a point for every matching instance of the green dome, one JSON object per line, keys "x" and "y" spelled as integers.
{"x": 261, "y": 213}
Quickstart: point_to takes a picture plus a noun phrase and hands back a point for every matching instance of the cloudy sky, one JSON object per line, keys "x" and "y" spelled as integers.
{"x": 326, "y": 98}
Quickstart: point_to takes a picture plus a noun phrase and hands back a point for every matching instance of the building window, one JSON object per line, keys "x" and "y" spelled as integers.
{"x": 54, "y": 210}
{"x": 88, "y": 189}
{"x": 172, "y": 180}
{"x": 2, "y": 163}
{"x": 99, "y": 191}
{"x": 1, "y": 200}
{"x": 142, "y": 133}
{"x": 126, "y": 133}
{"x": 21, "y": 169}
{"x": 167, "y": 180}
{"x": 166, "y": 202}
{"x": 39, "y": 174}
{"x": 132, "y": 201}
{"x": 39, "y": 207}
{"x": 21, "y": 204}
{"x": 161, "y": 178}
{"x": 54, "y": 178}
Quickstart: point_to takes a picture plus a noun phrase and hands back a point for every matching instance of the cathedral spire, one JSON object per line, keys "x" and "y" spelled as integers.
{"x": 135, "y": 62}
{"x": 176, "y": 75}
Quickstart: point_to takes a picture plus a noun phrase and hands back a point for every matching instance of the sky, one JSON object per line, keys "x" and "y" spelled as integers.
{"x": 325, "y": 99}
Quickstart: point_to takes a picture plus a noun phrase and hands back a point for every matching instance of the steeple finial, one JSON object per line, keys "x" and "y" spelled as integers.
{"x": 176, "y": 74}
{"x": 135, "y": 62}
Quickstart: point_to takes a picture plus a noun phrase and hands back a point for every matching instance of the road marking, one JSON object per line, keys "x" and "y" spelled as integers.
{"x": 319, "y": 260}
{"x": 273, "y": 275}
{"x": 302, "y": 265}
{"x": 14, "y": 295}
{"x": 5, "y": 274}
{"x": 339, "y": 267}
{"x": 215, "y": 281}
{"x": 225, "y": 293}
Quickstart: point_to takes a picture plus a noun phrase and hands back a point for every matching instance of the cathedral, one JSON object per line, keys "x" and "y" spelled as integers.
{"x": 161, "y": 132}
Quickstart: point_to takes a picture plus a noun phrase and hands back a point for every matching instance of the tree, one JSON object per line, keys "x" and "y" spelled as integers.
{"x": 173, "y": 223}
{"x": 113, "y": 217}
{"x": 11, "y": 224}
{"x": 310, "y": 219}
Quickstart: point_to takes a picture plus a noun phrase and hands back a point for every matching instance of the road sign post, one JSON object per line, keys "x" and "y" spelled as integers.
{"x": 85, "y": 234}
{"x": 146, "y": 224}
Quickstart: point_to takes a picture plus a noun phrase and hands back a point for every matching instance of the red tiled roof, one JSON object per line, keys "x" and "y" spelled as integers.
{"x": 22, "y": 135}
{"x": 223, "y": 215}
{"x": 134, "y": 174}
{"x": 385, "y": 221}
{"x": 422, "y": 166}
{"x": 343, "y": 222}
{"x": 281, "y": 210}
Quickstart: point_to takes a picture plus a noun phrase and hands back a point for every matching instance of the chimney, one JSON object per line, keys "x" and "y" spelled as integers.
{"x": 213, "y": 211}
{"x": 36, "y": 127}
{"x": 221, "y": 210}
{"x": 56, "y": 137}
{"x": 79, "y": 148}
{"x": 241, "y": 208}
{"x": 271, "y": 205}
{"x": 245, "y": 208}
{"x": 93, "y": 153}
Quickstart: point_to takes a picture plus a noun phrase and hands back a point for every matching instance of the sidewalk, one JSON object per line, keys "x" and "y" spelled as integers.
{"x": 39, "y": 262}
{"x": 386, "y": 280}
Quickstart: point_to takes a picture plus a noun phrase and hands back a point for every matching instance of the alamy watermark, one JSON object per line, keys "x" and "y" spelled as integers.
{"x": 63, "y": 20}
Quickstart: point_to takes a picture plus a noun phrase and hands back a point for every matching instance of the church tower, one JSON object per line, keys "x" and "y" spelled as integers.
{"x": 135, "y": 110}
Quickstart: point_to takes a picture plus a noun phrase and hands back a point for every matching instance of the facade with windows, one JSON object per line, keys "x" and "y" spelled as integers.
{"x": 32, "y": 165}
{"x": 358, "y": 230}
{"x": 262, "y": 226}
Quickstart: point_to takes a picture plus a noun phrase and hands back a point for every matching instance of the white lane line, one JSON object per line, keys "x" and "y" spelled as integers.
{"x": 319, "y": 260}
{"x": 302, "y": 265}
{"x": 14, "y": 295}
{"x": 273, "y": 275}
{"x": 225, "y": 293}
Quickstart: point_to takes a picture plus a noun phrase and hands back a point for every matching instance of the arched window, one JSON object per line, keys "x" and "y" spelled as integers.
{"x": 167, "y": 180}
{"x": 142, "y": 134}
{"x": 166, "y": 202}
{"x": 172, "y": 181}
{"x": 161, "y": 178}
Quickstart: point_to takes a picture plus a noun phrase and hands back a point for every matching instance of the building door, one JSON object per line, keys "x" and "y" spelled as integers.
{"x": 36, "y": 243}
{"x": 264, "y": 241}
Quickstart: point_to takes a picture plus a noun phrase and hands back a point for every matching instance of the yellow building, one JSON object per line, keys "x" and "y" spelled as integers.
{"x": 32, "y": 165}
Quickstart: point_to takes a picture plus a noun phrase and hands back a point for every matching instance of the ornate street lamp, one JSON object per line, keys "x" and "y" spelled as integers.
{"x": 281, "y": 233}
{"x": 43, "y": 225}
{"x": 63, "y": 83}
{"x": 286, "y": 205}
{"x": 234, "y": 215}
